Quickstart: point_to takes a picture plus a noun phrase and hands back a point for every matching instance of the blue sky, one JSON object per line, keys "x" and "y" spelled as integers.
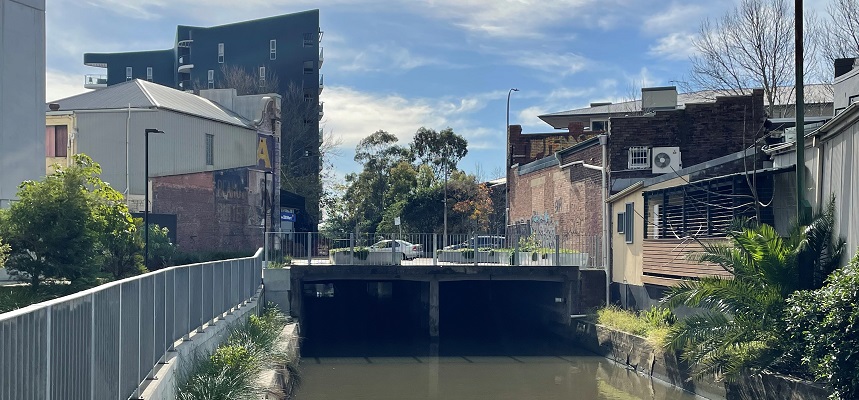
{"x": 400, "y": 65}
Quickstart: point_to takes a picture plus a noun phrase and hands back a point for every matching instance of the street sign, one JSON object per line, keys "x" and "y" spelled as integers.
{"x": 396, "y": 220}
{"x": 287, "y": 216}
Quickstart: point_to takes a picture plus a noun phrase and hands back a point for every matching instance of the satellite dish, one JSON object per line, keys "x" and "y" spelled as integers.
{"x": 662, "y": 160}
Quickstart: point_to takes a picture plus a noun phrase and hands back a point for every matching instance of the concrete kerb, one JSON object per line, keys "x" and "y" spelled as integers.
{"x": 274, "y": 380}
{"x": 177, "y": 363}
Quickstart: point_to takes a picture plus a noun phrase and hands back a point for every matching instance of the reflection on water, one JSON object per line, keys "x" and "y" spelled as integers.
{"x": 487, "y": 368}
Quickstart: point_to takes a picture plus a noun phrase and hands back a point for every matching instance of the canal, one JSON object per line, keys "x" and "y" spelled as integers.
{"x": 483, "y": 353}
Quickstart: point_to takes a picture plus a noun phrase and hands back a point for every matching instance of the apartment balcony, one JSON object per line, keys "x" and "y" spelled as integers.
{"x": 185, "y": 65}
{"x": 321, "y": 58}
{"x": 321, "y": 112}
{"x": 321, "y": 86}
{"x": 184, "y": 43}
{"x": 95, "y": 81}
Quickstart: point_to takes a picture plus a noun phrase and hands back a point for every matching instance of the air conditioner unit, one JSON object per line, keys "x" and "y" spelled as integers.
{"x": 666, "y": 159}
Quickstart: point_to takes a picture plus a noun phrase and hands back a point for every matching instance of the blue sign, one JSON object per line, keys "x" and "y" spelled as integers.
{"x": 287, "y": 216}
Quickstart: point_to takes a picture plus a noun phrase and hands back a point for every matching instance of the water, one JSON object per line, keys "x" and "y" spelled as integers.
{"x": 497, "y": 368}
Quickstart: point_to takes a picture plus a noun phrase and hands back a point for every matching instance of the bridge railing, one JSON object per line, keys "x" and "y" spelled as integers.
{"x": 325, "y": 248}
{"x": 102, "y": 343}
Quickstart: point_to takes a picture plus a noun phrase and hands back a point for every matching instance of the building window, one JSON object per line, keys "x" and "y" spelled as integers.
{"x": 149, "y": 74}
{"x": 211, "y": 79}
{"x": 629, "y": 222}
{"x": 621, "y": 222}
{"x": 56, "y": 141}
{"x": 308, "y": 40}
{"x": 308, "y": 67}
{"x": 127, "y": 73}
{"x": 599, "y": 126}
{"x": 220, "y": 53}
{"x": 210, "y": 149}
{"x": 639, "y": 157}
{"x": 272, "y": 49}
{"x": 262, "y": 77}
{"x": 308, "y": 97}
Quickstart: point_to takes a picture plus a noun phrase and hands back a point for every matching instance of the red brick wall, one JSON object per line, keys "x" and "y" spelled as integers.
{"x": 525, "y": 148}
{"x": 569, "y": 199}
{"x": 207, "y": 218}
{"x": 702, "y": 131}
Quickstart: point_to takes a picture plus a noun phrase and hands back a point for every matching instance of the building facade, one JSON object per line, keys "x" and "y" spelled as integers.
{"x": 279, "y": 54}
{"x": 22, "y": 94}
{"x": 213, "y": 168}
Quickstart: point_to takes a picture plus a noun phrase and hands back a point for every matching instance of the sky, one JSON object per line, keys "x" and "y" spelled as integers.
{"x": 401, "y": 65}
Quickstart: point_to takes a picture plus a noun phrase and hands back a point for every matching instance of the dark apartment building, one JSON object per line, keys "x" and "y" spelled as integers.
{"x": 276, "y": 54}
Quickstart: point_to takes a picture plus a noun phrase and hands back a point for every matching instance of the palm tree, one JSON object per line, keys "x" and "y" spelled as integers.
{"x": 739, "y": 324}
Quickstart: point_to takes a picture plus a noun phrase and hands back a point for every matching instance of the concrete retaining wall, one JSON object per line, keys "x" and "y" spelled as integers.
{"x": 639, "y": 355}
{"x": 277, "y": 288}
{"x": 200, "y": 344}
{"x": 275, "y": 381}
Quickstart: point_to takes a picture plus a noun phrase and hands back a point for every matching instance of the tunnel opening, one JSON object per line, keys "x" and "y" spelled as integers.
{"x": 352, "y": 317}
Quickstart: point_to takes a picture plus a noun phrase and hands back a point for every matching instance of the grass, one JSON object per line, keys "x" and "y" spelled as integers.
{"x": 652, "y": 324}
{"x": 231, "y": 371}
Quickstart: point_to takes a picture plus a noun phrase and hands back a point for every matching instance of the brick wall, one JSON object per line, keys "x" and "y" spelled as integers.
{"x": 702, "y": 131}
{"x": 568, "y": 201}
{"x": 215, "y": 211}
{"x": 525, "y": 148}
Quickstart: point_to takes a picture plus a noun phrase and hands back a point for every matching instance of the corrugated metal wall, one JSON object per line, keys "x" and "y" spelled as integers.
{"x": 180, "y": 150}
{"x": 841, "y": 178}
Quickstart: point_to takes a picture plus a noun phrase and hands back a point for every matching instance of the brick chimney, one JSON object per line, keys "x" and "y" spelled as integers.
{"x": 576, "y": 128}
{"x": 517, "y": 143}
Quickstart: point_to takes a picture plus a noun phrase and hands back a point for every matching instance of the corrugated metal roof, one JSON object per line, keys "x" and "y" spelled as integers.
{"x": 144, "y": 94}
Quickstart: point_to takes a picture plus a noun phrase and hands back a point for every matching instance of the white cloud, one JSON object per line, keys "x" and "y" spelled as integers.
{"x": 676, "y": 46}
{"x": 678, "y": 16}
{"x": 379, "y": 57}
{"x": 59, "y": 85}
{"x": 558, "y": 64}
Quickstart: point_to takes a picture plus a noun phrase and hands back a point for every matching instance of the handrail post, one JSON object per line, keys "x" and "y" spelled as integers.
{"x": 351, "y": 248}
{"x": 516, "y": 250}
{"x": 309, "y": 256}
{"x": 474, "y": 237}
{"x": 557, "y": 250}
{"x": 435, "y": 249}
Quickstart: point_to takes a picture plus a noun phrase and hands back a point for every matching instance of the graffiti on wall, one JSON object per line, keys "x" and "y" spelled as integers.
{"x": 243, "y": 195}
{"x": 543, "y": 229}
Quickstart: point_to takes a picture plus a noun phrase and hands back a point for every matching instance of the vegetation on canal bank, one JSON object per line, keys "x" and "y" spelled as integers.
{"x": 651, "y": 324}
{"x": 230, "y": 373}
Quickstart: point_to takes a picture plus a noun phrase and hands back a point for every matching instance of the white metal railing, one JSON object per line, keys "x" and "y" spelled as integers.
{"x": 91, "y": 79}
{"x": 320, "y": 248}
{"x": 103, "y": 342}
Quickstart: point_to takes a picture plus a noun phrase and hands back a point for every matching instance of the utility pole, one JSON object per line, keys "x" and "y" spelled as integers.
{"x": 801, "y": 204}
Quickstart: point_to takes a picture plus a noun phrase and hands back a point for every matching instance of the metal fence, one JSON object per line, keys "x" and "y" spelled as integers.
{"x": 103, "y": 343}
{"x": 325, "y": 248}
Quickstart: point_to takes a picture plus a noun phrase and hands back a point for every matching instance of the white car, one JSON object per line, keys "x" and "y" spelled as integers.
{"x": 410, "y": 251}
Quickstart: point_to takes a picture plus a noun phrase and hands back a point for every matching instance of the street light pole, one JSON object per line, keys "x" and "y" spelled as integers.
{"x": 507, "y": 163}
{"x": 146, "y": 197}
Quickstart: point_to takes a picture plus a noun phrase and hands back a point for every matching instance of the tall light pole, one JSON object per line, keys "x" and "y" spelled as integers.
{"x": 146, "y": 198}
{"x": 507, "y": 163}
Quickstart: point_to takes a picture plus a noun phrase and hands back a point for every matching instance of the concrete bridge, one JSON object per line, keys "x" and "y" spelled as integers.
{"x": 425, "y": 297}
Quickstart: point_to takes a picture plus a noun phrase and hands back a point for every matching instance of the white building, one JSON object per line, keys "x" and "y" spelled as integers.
{"x": 22, "y": 94}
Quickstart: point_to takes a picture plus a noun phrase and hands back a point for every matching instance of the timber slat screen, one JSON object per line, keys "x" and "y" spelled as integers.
{"x": 103, "y": 342}
{"x": 704, "y": 210}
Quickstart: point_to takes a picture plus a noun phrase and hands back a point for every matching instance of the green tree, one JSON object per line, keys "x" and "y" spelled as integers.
{"x": 120, "y": 244}
{"x": 4, "y": 253}
{"x": 441, "y": 150}
{"x": 54, "y": 229}
{"x": 824, "y": 327}
{"x": 741, "y": 323}
{"x": 161, "y": 251}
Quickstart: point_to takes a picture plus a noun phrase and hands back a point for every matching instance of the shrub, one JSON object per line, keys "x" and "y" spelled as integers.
{"x": 658, "y": 316}
{"x": 655, "y": 330}
{"x": 824, "y": 326}
{"x": 468, "y": 254}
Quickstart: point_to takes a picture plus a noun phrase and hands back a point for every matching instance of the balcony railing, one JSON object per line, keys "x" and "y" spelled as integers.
{"x": 321, "y": 112}
{"x": 321, "y": 86}
{"x": 95, "y": 81}
{"x": 321, "y": 57}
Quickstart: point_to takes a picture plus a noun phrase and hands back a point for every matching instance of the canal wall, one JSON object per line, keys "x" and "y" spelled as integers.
{"x": 637, "y": 354}
{"x": 276, "y": 381}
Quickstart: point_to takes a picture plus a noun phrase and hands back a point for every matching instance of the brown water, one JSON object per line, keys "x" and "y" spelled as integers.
{"x": 469, "y": 370}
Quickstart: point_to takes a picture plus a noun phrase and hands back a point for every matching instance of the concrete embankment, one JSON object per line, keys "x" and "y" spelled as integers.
{"x": 637, "y": 354}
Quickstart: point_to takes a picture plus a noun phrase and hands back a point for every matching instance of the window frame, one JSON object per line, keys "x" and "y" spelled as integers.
{"x": 56, "y": 145}
{"x": 129, "y": 73}
{"x": 262, "y": 76}
{"x": 308, "y": 70}
{"x": 629, "y": 224}
{"x": 210, "y": 77}
{"x": 308, "y": 39}
{"x": 272, "y": 49}
{"x": 638, "y": 157}
{"x": 149, "y": 74}
{"x": 220, "y": 53}
{"x": 621, "y": 222}
{"x": 210, "y": 149}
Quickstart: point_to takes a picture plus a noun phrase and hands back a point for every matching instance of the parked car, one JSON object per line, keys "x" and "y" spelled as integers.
{"x": 410, "y": 251}
{"x": 483, "y": 242}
